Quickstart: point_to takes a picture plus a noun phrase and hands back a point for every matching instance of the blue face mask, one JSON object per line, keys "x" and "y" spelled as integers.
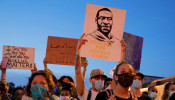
{"x": 38, "y": 92}
{"x": 99, "y": 84}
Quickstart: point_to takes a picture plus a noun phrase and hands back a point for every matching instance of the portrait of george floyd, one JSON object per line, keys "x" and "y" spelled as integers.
{"x": 103, "y": 28}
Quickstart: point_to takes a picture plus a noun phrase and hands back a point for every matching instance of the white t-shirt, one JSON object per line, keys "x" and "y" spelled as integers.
{"x": 86, "y": 92}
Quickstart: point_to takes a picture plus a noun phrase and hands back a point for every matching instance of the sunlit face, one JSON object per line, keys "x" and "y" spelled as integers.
{"x": 92, "y": 80}
{"x": 41, "y": 80}
{"x": 172, "y": 87}
{"x": 104, "y": 22}
{"x": 125, "y": 68}
{"x": 136, "y": 77}
{"x": 66, "y": 80}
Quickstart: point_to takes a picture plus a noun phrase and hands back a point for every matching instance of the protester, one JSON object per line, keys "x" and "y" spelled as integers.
{"x": 17, "y": 94}
{"x": 3, "y": 91}
{"x": 65, "y": 93}
{"x": 169, "y": 89}
{"x": 107, "y": 82}
{"x": 96, "y": 77}
{"x": 40, "y": 87}
{"x": 137, "y": 85}
{"x": 152, "y": 92}
{"x": 123, "y": 48}
{"x": 4, "y": 87}
{"x": 123, "y": 76}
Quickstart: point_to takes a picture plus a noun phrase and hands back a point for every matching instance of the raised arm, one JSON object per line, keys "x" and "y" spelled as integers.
{"x": 34, "y": 70}
{"x": 123, "y": 48}
{"x": 45, "y": 63}
{"x": 84, "y": 64}
{"x": 3, "y": 74}
{"x": 79, "y": 76}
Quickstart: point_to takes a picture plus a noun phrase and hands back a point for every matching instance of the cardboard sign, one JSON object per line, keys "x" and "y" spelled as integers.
{"x": 61, "y": 50}
{"x": 18, "y": 57}
{"x": 103, "y": 29}
{"x": 133, "y": 49}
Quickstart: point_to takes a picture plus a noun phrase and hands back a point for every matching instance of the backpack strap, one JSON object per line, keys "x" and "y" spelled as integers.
{"x": 89, "y": 94}
{"x": 134, "y": 97}
{"x": 109, "y": 92}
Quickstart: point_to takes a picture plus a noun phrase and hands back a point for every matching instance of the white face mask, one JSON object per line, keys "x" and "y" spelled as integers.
{"x": 64, "y": 97}
{"x": 153, "y": 95}
{"x": 137, "y": 84}
{"x": 171, "y": 92}
{"x": 99, "y": 84}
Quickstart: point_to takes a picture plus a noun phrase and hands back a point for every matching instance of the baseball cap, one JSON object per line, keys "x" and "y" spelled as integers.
{"x": 97, "y": 72}
{"x": 140, "y": 74}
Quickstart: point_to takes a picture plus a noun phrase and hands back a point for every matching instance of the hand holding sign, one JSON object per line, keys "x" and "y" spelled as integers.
{"x": 45, "y": 61}
{"x": 123, "y": 45}
{"x": 35, "y": 69}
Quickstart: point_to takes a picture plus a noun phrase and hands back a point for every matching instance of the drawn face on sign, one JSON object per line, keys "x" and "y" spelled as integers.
{"x": 104, "y": 21}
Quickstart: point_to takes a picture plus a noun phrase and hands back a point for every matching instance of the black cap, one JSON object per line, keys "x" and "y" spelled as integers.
{"x": 140, "y": 74}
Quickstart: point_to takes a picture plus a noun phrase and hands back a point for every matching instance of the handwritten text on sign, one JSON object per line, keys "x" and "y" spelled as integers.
{"x": 18, "y": 57}
{"x": 61, "y": 50}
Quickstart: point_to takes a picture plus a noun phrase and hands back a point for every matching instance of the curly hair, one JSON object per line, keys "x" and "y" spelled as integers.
{"x": 64, "y": 76}
{"x": 48, "y": 78}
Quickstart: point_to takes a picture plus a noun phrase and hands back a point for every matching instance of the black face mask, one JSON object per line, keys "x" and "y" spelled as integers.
{"x": 125, "y": 79}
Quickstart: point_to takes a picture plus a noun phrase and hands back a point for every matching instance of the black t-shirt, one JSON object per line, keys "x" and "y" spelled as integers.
{"x": 105, "y": 95}
{"x": 144, "y": 97}
{"x": 118, "y": 98}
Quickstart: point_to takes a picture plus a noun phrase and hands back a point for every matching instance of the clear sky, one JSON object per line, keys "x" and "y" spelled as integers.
{"x": 28, "y": 23}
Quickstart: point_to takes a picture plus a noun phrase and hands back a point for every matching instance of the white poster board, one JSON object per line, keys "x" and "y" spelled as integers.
{"x": 18, "y": 57}
{"x": 103, "y": 29}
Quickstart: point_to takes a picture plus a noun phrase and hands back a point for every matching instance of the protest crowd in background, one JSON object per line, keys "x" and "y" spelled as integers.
{"x": 125, "y": 83}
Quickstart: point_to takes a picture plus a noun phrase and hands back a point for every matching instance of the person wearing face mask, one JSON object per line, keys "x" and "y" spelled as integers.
{"x": 152, "y": 92}
{"x": 40, "y": 87}
{"x": 137, "y": 85}
{"x": 123, "y": 76}
{"x": 96, "y": 77}
{"x": 169, "y": 89}
{"x": 65, "y": 93}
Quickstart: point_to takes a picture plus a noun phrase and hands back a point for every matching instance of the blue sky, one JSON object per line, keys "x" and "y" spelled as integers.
{"x": 28, "y": 23}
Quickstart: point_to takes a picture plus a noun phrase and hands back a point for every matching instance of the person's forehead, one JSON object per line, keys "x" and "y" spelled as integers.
{"x": 125, "y": 67}
{"x": 39, "y": 78}
{"x": 105, "y": 13}
{"x": 137, "y": 77}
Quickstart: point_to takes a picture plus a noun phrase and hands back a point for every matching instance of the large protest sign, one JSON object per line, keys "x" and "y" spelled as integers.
{"x": 133, "y": 49}
{"x": 18, "y": 57}
{"x": 61, "y": 50}
{"x": 103, "y": 29}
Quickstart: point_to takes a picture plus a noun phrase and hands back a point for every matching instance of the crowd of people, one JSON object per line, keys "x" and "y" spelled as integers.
{"x": 125, "y": 84}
